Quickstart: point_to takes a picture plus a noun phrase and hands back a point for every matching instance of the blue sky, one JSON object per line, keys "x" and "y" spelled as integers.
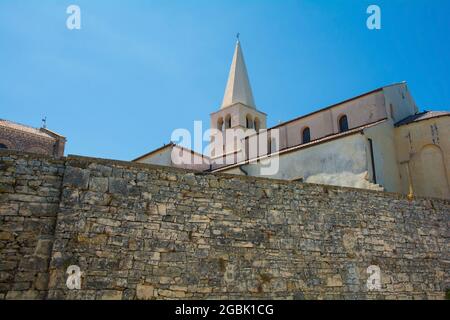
{"x": 137, "y": 70}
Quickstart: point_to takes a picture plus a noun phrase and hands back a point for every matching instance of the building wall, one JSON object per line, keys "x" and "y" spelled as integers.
{"x": 399, "y": 102}
{"x": 385, "y": 156}
{"x": 238, "y": 113}
{"x": 423, "y": 149}
{"x": 320, "y": 125}
{"x": 392, "y": 102}
{"x": 162, "y": 158}
{"x": 177, "y": 157}
{"x": 148, "y": 232}
{"x": 418, "y": 152}
{"x": 186, "y": 159}
{"x": 361, "y": 111}
{"x": 344, "y": 161}
{"x": 28, "y": 142}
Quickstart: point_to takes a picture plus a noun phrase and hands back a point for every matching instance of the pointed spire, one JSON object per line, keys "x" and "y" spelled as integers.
{"x": 238, "y": 86}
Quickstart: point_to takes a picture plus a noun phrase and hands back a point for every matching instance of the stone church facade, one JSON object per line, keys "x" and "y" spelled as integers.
{"x": 377, "y": 140}
{"x": 20, "y": 137}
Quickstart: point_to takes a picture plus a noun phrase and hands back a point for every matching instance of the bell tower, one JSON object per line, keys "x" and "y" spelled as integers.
{"x": 238, "y": 110}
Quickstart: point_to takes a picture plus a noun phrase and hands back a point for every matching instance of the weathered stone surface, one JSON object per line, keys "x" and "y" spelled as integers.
{"x": 118, "y": 186}
{"x": 6, "y": 236}
{"x": 334, "y": 281}
{"x": 43, "y": 247}
{"x": 111, "y": 295}
{"x": 145, "y": 232}
{"x": 145, "y": 292}
{"x": 76, "y": 178}
{"x": 24, "y": 295}
{"x": 4, "y": 188}
{"x": 99, "y": 184}
{"x": 41, "y": 282}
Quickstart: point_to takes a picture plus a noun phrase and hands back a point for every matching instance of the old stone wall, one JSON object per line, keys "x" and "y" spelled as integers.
{"x": 41, "y": 141}
{"x": 146, "y": 232}
{"x": 30, "y": 188}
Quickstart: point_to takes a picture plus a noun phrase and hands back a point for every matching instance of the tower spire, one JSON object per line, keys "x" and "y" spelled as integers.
{"x": 238, "y": 86}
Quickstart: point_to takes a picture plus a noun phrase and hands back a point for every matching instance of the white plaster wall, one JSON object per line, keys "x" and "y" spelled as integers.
{"x": 182, "y": 158}
{"x": 320, "y": 125}
{"x": 361, "y": 111}
{"x": 340, "y": 162}
{"x": 161, "y": 158}
{"x": 432, "y": 177}
{"x": 385, "y": 155}
{"x": 402, "y": 102}
{"x": 238, "y": 113}
{"x": 179, "y": 158}
{"x": 366, "y": 109}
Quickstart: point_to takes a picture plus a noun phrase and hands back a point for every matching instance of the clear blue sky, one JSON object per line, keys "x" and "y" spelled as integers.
{"x": 137, "y": 70}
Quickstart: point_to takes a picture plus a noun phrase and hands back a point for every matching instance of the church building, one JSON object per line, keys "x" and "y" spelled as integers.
{"x": 378, "y": 140}
{"x": 20, "y": 137}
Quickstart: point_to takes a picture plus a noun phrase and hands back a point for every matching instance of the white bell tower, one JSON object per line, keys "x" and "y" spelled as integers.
{"x": 238, "y": 109}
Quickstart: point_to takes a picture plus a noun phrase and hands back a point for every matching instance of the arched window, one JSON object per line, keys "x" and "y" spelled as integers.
{"x": 227, "y": 122}
{"x": 256, "y": 124}
{"x": 343, "y": 123}
{"x": 306, "y": 135}
{"x": 3, "y": 146}
{"x": 220, "y": 124}
{"x": 248, "y": 122}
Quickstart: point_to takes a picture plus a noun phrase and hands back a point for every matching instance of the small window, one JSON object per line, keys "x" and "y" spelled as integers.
{"x": 3, "y": 146}
{"x": 391, "y": 109}
{"x": 343, "y": 124}
{"x": 256, "y": 126}
{"x": 271, "y": 144}
{"x": 249, "y": 122}
{"x": 228, "y": 122}
{"x": 306, "y": 135}
{"x": 220, "y": 124}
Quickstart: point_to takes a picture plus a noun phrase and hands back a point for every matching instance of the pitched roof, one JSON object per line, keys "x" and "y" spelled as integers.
{"x": 422, "y": 116}
{"x": 238, "y": 86}
{"x": 169, "y": 145}
{"x": 27, "y": 129}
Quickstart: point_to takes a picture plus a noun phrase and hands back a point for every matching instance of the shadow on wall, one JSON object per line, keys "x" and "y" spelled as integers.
{"x": 345, "y": 179}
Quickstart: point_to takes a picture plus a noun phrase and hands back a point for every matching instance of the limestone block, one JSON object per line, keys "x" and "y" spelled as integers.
{"x": 99, "y": 184}
{"x": 111, "y": 295}
{"x": 118, "y": 186}
{"x": 334, "y": 281}
{"x": 145, "y": 292}
{"x": 76, "y": 178}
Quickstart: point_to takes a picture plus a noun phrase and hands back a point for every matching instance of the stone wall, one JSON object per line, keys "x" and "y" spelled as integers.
{"x": 23, "y": 138}
{"x": 147, "y": 232}
{"x": 30, "y": 187}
